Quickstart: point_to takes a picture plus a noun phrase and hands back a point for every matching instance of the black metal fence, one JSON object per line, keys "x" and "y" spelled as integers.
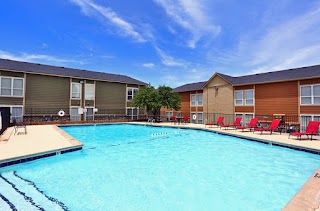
{"x": 287, "y": 124}
{"x": 75, "y": 115}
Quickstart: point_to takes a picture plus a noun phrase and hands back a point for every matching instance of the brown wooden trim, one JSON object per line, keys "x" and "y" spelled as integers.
{"x": 241, "y": 109}
{"x": 246, "y": 87}
{"x": 310, "y": 81}
{"x": 312, "y": 109}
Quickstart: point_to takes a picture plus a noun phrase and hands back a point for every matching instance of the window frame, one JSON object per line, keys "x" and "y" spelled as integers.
{"x": 195, "y": 100}
{"x": 303, "y": 127}
{"x": 245, "y": 97}
{"x": 85, "y": 92}
{"x": 14, "y": 106}
{"x": 89, "y": 107}
{"x": 11, "y": 87}
{"x": 198, "y": 104}
{"x": 235, "y": 99}
{"x": 71, "y": 97}
{"x": 312, "y": 94}
{"x": 132, "y": 95}
{"x": 243, "y": 116}
{"x": 132, "y": 116}
{"x": 171, "y": 114}
{"x": 199, "y": 121}
{"x": 73, "y": 107}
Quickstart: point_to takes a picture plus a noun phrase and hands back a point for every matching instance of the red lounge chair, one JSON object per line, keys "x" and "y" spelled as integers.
{"x": 234, "y": 125}
{"x": 312, "y": 130}
{"x": 273, "y": 126}
{"x": 253, "y": 124}
{"x": 173, "y": 119}
{"x": 185, "y": 119}
{"x": 218, "y": 123}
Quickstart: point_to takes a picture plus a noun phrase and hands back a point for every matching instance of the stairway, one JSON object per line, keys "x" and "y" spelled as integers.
{"x": 17, "y": 193}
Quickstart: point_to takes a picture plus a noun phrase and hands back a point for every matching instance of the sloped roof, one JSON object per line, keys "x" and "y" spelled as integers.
{"x": 18, "y": 66}
{"x": 282, "y": 75}
{"x": 190, "y": 87}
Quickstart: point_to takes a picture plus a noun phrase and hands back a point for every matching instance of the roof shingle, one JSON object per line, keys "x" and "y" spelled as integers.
{"x": 276, "y": 76}
{"x": 282, "y": 75}
{"x": 190, "y": 87}
{"x": 19, "y": 66}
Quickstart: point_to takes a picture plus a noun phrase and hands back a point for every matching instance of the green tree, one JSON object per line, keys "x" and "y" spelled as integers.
{"x": 153, "y": 99}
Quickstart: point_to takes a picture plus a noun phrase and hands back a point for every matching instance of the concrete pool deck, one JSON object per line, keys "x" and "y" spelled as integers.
{"x": 42, "y": 140}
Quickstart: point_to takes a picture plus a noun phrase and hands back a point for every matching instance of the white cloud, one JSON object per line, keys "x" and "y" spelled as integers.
{"x": 191, "y": 16}
{"x": 169, "y": 60}
{"x": 294, "y": 43}
{"x": 125, "y": 28}
{"x": 148, "y": 65}
{"x": 35, "y": 58}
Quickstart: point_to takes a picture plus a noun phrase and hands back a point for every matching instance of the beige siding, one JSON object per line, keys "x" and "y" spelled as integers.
{"x": 11, "y": 101}
{"x": 47, "y": 92}
{"x": 110, "y": 95}
{"x": 220, "y": 99}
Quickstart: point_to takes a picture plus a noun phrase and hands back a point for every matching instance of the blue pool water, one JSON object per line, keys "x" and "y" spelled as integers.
{"x": 130, "y": 167}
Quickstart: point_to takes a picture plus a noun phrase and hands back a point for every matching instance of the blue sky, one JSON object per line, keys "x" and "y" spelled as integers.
{"x": 169, "y": 42}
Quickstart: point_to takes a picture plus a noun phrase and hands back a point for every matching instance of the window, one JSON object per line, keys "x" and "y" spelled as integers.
{"x": 200, "y": 118}
{"x": 11, "y": 86}
{"x": 89, "y": 91}
{"x": 75, "y": 114}
{"x": 169, "y": 114}
{"x": 196, "y": 100}
{"x": 131, "y": 92}
{"x": 191, "y": 118}
{"x": 246, "y": 117}
{"x": 75, "y": 91}
{"x": 193, "y": 100}
{"x": 310, "y": 95}
{"x": 200, "y": 100}
{"x": 249, "y": 97}
{"x": 16, "y": 112}
{"x": 89, "y": 114}
{"x": 244, "y": 97}
{"x": 132, "y": 113}
{"x": 305, "y": 118}
{"x": 238, "y": 97}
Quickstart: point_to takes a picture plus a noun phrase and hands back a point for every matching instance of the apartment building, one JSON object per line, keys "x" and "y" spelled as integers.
{"x": 35, "y": 90}
{"x": 292, "y": 92}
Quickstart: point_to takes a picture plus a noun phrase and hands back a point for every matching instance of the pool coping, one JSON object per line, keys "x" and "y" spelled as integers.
{"x": 76, "y": 145}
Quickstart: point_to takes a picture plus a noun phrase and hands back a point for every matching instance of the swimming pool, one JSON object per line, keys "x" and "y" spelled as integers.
{"x": 131, "y": 167}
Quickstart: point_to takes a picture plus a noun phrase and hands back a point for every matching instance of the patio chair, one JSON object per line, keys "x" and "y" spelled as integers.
{"x": 218, "y": 123}
{"x": 185, "y": 119}
{"x": 19, "y": 125}
{"x": 173, "y": 119}
{"x": 273, "y": 126}
{"x": 235, "y": 124}
{"x": 312, "y": 130}
{"x": 252, "y": 124}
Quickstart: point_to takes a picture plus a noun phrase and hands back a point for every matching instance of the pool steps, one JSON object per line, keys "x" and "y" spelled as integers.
{"x": 17, "y": 193}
